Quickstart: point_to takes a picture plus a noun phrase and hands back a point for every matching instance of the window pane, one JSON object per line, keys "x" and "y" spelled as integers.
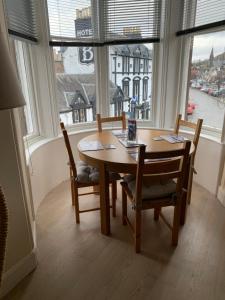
{"x": 25, "y": 76}
{"x": 130, "y": 86}
{"x": 75, "y": 81}
{"x": 207, "y": 80}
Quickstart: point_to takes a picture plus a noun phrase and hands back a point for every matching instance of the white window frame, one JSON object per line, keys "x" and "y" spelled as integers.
{"x": 25, "y": 68}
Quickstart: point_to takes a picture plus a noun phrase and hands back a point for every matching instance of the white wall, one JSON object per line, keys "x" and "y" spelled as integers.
{"x": 49, "y": 165}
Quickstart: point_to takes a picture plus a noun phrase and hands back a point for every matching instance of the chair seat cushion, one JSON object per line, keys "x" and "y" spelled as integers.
{"x": 152, "y": 191}
{"x": 89, "y": 174}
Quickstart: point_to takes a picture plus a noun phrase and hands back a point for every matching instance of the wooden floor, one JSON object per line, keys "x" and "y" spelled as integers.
{"x": 77, "y": 262}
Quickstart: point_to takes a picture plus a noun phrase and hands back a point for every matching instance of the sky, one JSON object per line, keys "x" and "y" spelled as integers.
{"x": 203, "y": 45}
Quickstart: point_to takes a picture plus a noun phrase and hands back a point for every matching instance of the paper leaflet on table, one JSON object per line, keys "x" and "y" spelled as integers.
{"x": 119, "y": 133}
{"x": 174, "y": 138}
{"x": 90, "y": 146}
{"x": 131, "y": 144}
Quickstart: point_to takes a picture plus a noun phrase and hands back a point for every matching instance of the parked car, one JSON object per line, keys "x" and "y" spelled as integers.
{"x": 215, "y": 93}
{"x": 205, "y": 89}
{"x": 211, "y": 91}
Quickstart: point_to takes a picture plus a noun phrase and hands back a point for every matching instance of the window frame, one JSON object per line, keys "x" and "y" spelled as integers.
{"x": 23, "y": 53}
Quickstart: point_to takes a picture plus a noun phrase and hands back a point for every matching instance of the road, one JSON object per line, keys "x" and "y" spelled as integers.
{"x": 207, "y": 107}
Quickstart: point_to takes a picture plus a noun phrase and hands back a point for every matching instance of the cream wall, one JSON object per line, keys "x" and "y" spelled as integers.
{"x": 48, "y": 165}
{"x": 20, "y": 256}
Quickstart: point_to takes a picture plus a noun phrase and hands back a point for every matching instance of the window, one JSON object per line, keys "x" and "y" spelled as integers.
{"x": 145, "y": 88}
{"x": 22, "y": 50}
{"x": 134, "y": 90}
{"x": 126, "y": 87}
{"x": 206, "y": 97}
{"x": 146, "y": 66}
{"x": 136, "y": 65}
{"x": 125, "y": 64}
{"x": 75, "y": 83}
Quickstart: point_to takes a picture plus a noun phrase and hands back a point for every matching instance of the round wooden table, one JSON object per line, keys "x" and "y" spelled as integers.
{"x": 119, "y": 160}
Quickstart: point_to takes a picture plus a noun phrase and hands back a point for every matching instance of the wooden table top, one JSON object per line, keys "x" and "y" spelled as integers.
{"x": 120, "y": 155}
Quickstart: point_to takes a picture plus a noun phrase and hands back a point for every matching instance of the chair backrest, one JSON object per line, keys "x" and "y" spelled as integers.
{"x": 69, "y": 150}
{"x": 196, "y": 126}
{"x": 161, "y": 166}
{"x": 62, "y": 125}
{"x": 101, "y": 120}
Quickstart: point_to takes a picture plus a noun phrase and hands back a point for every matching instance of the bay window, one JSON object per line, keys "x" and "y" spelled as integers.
{"x": 76, "y": 27}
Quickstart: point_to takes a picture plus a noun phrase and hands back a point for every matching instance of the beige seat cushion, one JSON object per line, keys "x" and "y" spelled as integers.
{"x": 150, "y": 190}
{"x": 89, "y": 174}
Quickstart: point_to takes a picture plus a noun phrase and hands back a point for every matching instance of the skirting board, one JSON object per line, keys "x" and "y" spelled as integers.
{"x": 221, "y": 195}
{"x": 14, "y": 275}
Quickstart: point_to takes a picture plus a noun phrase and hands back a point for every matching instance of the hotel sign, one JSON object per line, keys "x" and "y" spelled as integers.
{"x": 86, "y": 55}
{"x": 83, "y": 28}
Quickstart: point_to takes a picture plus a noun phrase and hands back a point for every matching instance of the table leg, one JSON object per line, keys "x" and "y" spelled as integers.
{"x": 184, "y": 198}
{"x": 104, "y": 200}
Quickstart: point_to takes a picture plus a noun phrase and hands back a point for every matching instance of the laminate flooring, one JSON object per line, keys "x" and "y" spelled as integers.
{"x": 78, "y": 262}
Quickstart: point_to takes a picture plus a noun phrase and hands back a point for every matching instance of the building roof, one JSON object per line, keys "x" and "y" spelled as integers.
{"x": 138, "y": 50}
{"x": 80, "y": 91}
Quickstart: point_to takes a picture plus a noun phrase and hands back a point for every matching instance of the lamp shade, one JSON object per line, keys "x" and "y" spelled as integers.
{"x": 10, "y": 92}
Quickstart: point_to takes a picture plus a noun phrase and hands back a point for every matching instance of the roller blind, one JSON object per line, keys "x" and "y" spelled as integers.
{"x": 132, "y": 20}
{"x": 21, "y": 18}
{"x": 199, "y": 15}
{"x": 73, "y": 21}
{"x": 103, "y": 22}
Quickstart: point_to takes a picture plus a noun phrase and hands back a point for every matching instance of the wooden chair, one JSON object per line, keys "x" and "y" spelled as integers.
{"x": 101, "y": 120}
{"x": 85, "y": 176}
{"x": 197, "y": 130}
{"x": 62, "y": 126}
{"x": 155, "y": 188}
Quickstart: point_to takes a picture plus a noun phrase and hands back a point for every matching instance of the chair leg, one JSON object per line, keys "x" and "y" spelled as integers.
{"x": 114, "y": 196}
{"x": 72, "y": 186}
{"x": 124, "y": 207}
{"x": 76, "y": 203}
{"x": 157, "y": 210}
{"x": 189, "y": 190}
{"x": 176, "y": 224}
{"x": 137, "y": 231}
